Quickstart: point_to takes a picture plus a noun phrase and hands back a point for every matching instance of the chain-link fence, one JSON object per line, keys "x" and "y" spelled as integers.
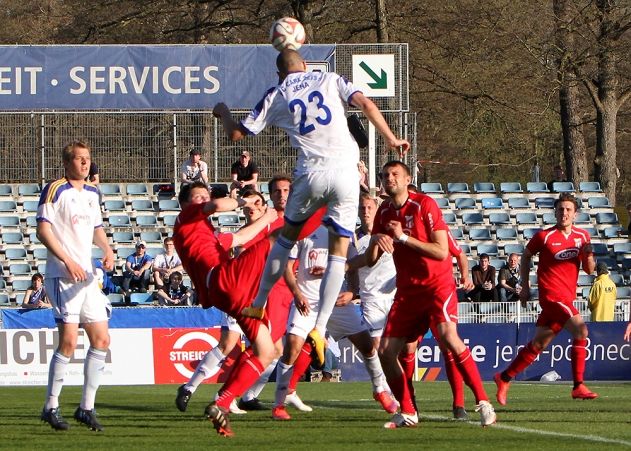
{"x": 148, "y": 146}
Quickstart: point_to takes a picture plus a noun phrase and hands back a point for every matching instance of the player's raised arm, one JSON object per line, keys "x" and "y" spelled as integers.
{"x": 233, "y": 129}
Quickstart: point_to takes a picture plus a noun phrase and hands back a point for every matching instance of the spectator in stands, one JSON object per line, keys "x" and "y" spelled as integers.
{"x": 363, "y": 177}
{"x": 602, "y": 296}
{"x": 194, "y": 169}
{"x": 35, "y": 296}
{"x": 483, "y": 275}
{"x": 93, "y": 176}
{"x": 175, "y": 292}
{"x": 137, "y": 270}
{"x": 559, "y": 176}
{"x": 245, "y": 175}
{"x": 166, "y": 264}
{"x": 509, "y": 281}
{"x": 106, "y": 283}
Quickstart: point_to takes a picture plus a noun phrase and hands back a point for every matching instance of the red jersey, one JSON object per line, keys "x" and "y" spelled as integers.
{"x": 199, "y": 245}
{"x": 454, "y": 249}
{"x": 419, "y": 217}
{"x": 559, "y": 262}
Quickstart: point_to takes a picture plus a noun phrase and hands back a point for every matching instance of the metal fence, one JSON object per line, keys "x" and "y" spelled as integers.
{"x": 148, "y": 146}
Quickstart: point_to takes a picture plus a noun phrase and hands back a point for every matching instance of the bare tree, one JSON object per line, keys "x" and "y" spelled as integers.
{"x": 381, "y": 17}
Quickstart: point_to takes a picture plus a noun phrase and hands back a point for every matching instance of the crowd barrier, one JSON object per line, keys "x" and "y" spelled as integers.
{"x": 163, "y": 346}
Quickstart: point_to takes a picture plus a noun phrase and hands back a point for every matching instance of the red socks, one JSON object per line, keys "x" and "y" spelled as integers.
{"x": 243, "y": 376}
{"x": 300, "y": 366}
{"x": 578, "y": 355}
{"x": 524, "y": 358}
{"x": 455, "y": 379}
{"x": 471, "y": 375}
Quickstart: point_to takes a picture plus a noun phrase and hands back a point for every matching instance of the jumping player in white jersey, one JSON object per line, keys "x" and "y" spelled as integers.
{"x": 311, "y": 107}
{"x": 68, "y": 222}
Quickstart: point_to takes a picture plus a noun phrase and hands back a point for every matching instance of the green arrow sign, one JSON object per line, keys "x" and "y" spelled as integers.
{"x": 380, "y": 82}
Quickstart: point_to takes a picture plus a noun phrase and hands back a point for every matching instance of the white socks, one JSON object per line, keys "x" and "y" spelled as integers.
{"x": 56, "y": 373}
{"x": 256, "y": 389}
{"x": 329, "y": 290}
{"x": 93, "y": 368}
{"x": 212, "y": 360}
{"x": 283, "y": 376}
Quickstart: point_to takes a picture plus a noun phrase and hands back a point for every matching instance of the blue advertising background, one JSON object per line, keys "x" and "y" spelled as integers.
{"x": 140, "y": 76}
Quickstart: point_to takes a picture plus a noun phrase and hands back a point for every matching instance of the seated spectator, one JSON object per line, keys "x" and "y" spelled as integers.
{"x": 509, "y": 281}
{"x": 166, "y": 264}
{"x": 194, "y": 169}
{"x": 175, "y": 292}
{"x": 137, "y": 270}
{"x": 35, "y": 296}
{"x": 559, "y": 176}
{"x": 363, "y": 177}
{"x": 245, "y": 175}
{"x": 483, "y": 275}
{"x": 106, "y": 283}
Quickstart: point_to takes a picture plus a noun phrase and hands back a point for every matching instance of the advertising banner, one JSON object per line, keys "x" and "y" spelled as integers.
{"x": 146, "y": 77}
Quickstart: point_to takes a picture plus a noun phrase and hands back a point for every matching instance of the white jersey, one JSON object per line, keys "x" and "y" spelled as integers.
{"x": 73, "y": 215}
{"x": 164, "y": 261}
{"x": 311, "y": 108}
{"x": 379, "y": 281}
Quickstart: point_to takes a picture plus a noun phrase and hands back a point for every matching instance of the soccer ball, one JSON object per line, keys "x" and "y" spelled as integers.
{"x": 287, "y": 33}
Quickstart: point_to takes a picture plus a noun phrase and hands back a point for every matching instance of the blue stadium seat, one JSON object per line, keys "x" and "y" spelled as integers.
{"x": 513, "y": 248}
{"x": 228, "y": 220}
{"x": 8, "y": 206}
{"x": 41, "y": 268}
{"x": 116, "y": 299}
{"x": 20, "y": 269}
{"x": 613, "y": 232}
{"x": 457, "y": 187}
{"x": 21, "y": 285}
{"x": 151, "y": 237}
{"x": 506, "y": 234}
{"x": 563, "y": 187}
{"x": 598, "y": 202}
{"x": 457, "y": 233}
{"x": 154, "y": 251}
{"x": 137, "y": 189}
{"x": 123, "y": 237}
{"x": 6, "y": 190}
{"x": 124, "y": 252}
{"x": 618, "y": 248}
{"x": 40, "y": 253}
{"x": 544, "y": 202}
{"x": 499, "y": 219}
{"x": 549, "y": 219}
{"x": 146, "y": 221}
{"x": 168, "y": 205}
{"x": 530, "y": 232}
{"x": 449, "y": 218}
{"x": 169, "y": 220}
{"x": 442, "y": 202}
{"x": 484, "y": 187}
{"x": 12, "y": 238}
{"x": 590, "y": 187}
{"x": 479, "y": 234}
{"x": 4, "y": 299}
{"x": 119, "y": 221}
{"x": 492, "y": 203}
{"x": 11, "y": 222}
{"x": 537, "y": 187}
{"x": 582, "y": 218}
{"x": 585, "y": 280}
{"x": 489, "y": 249}
{"x": 593, "y": 232}
{"x": 142, "y": 298}
{"x": 472, "y": 218}
{"x": 264, "y": 187}
{"x": 115, "y": 205}
{"x": 518, "y": 203}
{"x": 510, "y": 187}
{"x": 623, "y": 292}
{"x": 465, "y": 248}
{"x": 110, "y": 189}
{"x": 526, "y": 218}
{"x": 97, "y": 253}
{"x": 12, "y": 253}
{"x": 600, "y": 249}
{"x": 30, "y": 206}
{"x": 431, "y": 188}
{"x": 607, "y": 218}
{"x": 617, "y": 279}
{"x": 463, "y": 203}
{"x": 32, "y": 237}
{"x": 29, "y": 189}
{"x": 142, "y": 205}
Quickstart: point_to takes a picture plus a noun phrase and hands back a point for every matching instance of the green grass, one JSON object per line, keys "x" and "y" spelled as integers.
{"x": 344, "y": 418}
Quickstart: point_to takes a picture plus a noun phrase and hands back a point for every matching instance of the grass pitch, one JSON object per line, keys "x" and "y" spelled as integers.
{"x": 344, "y": 418}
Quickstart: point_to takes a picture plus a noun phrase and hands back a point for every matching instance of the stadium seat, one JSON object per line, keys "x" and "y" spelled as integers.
{"x": 264, "y": 187}
{"x": 154, "y": 251}
{"x": 607, "y": 218}
{"x": 115, "y": 205}
{"x": 549, "y": 219}
{"x": 6, "y": 190}
{"x": 617, "y": 279}
{"x": 169, "y": 220}
{"x": 623, "y": 292}
{"x": 30, "y": 206}
{"x": 14, "y": 253}
{"x": 32, "y": 237}
{"x": 611, "y": 263}
{"x": 499, "y": 219}
{"x": 123, "y": 252}
{"x": 510, "y": 188}
{"x": 431, "y": 188}
{"x": 450, "y": 219}
{"x": 123, "y": 237}
{"x": 116, "y": 299}
{"x": 40, "y": 253}
{"x": 492, "y": 203}
{"x": 12, "y": 238}
{"x": 484, "y": 188}
{"x": 462, "y": 203}
{"x": 97, "y": 253}
{"x": 563, "y": 187}
{"x": 164, "y": 190}
{"x": 9, "y": 222}
{"x": 4, "y": 300}
{"x": 142, "y": 205}
{"x": 585, "y": 280}
{"x": 137, "y": 189}
{"x": 537, "y": 187}
{"x": 590, "y": 187}
{"x": 489, "y": 249}
{"x": 21, "y": 285}
{"x": 598, "y": 202}
{"x": 613, "y": 232}
{"x": 119, "y": 221}
{"x": 513, "y": 248}
{"x": 621, "y": 250}
{"x": 228, "y": 220}
{"x": 110, "y": 190}
{"x": 526, "y": 218}
{"x": 593, "y": 233}
{"x": 29, "y": 190}
{"x": 20, "y": 269}
{"x": 479, "y": 234}
{"x": 151, "y": 237}
{"x": 465, "y": 248}
{"x": 457, "y": 187}
{"x": 518, "y": 203}
{"x": 472, "y": 218}
{"x": 41, "y": 268}
{"x": 497, "y": 263}
{"x": 600, "y": 249}
{"x": 583, "y": 218}
{"x": 146, "y": 221}
{"x": 8, "y": 206}
{"x": 530, "y": 232}
{"x": 442, "y": 202}
{"x": 142, "y": 298}
{"x": 168, "y": 205}
{"x": 457, "y": 233}
{"x": 3, "y": 284}
{"x": 506, "y": 234}
{"x": 544, "y": 202}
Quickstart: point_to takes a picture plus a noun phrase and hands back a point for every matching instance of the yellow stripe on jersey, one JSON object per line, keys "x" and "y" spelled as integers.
{"x": 52, "y": 188}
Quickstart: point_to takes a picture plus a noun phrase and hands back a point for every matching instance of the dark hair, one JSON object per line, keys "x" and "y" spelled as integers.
{"x": 196, "y": 152}
{"x": 37, "y": 276}
{"x": 483, "y": 256}
{"x": 185, "y": 190}
{"x": 168, "y": 239}
{"x": 275, "y": 180}
{"x": 176, "y": 274}
{"x": 393, "y": 163}
{"x": 566, "y": 197}
{"x": 252, "y": 192}
{"x": 287, "y": 59}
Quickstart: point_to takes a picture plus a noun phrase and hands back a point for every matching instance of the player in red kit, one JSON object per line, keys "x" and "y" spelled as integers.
{"x": 562, "y": 250}
{"x": 411, "y": 227}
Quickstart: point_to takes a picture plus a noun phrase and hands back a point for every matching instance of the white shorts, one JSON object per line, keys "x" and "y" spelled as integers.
{"x": 344, "y": 321}
{"x": 375, "y": 313}
{"x": 229, "y": 323}
{"x": 77, "y": 302}
{"x": 337, "y": 189}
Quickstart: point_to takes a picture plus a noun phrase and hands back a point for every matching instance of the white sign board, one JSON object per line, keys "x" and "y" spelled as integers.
{"x": 374, "y": 75}
{"x": 317, "y": 66}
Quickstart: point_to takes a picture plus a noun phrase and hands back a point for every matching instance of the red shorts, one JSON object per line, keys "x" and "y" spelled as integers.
{"x": 277, "y": 309}
{"x": 414, "y": 313}
{"x": 554, "y": 314}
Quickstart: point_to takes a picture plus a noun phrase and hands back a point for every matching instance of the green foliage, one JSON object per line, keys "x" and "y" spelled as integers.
{"x": 345, "y": 417}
